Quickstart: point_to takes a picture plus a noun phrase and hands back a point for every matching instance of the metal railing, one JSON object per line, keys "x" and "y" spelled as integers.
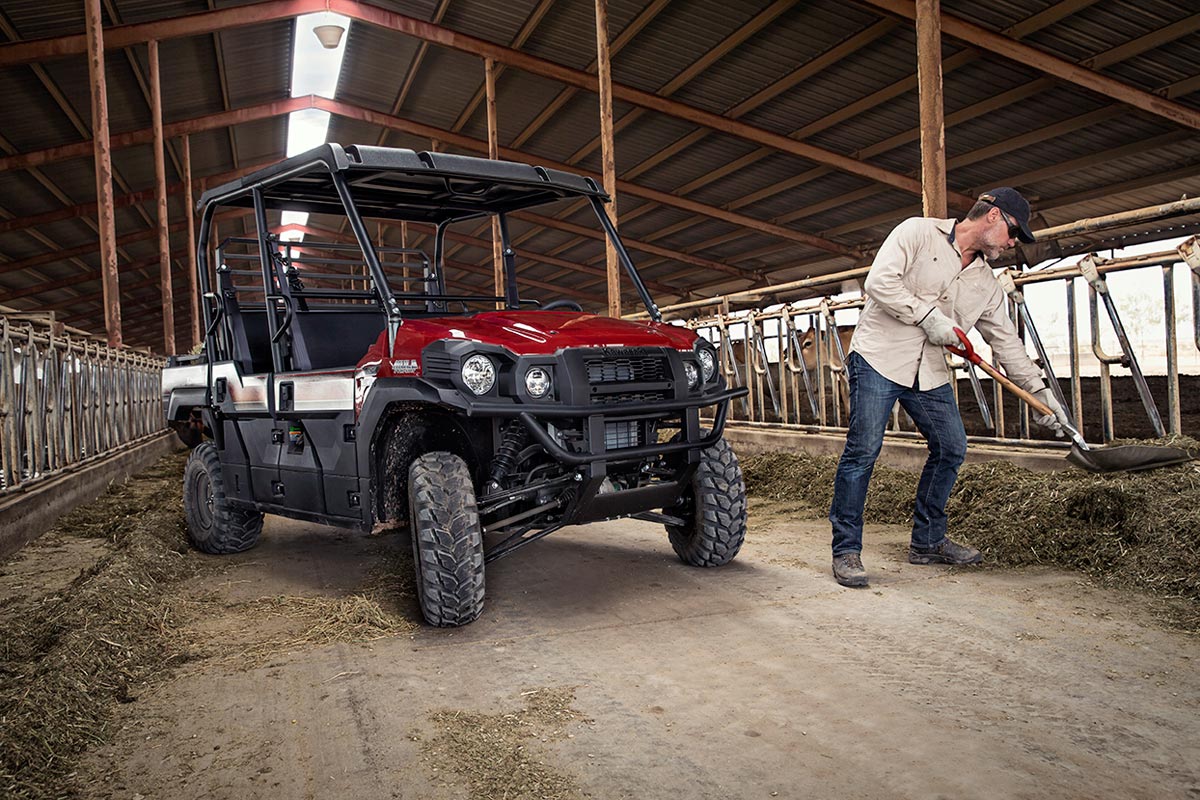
{"x": 791, "y": 355}
{"x": 67, "y": 400}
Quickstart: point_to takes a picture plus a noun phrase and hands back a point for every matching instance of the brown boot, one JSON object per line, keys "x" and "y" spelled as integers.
{"x": 848, "y": 570}
{"x": 948, "y": 552}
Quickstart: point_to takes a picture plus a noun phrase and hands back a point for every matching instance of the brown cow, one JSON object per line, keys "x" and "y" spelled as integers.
{"x": 808, "y": 348}
{"x": 808, "y": 351}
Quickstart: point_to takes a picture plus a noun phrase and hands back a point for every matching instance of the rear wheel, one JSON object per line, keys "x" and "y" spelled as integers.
{"x": 714, "y": 507}
{"x": 214, "y": 526}
{"x": 447, "y": 540}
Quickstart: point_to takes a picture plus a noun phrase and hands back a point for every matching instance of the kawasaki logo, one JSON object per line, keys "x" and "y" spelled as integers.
{"x": 402, "y": 366}
{"x": 620, "y": 351}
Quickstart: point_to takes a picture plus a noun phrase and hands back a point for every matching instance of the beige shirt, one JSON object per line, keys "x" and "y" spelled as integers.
{"x": 917, "y": 268}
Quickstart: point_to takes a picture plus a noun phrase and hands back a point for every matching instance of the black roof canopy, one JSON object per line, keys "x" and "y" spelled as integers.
{"x": 396, "y": 183}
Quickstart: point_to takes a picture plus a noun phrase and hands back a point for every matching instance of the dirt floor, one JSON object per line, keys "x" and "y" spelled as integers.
{"x": 604, "y": 668}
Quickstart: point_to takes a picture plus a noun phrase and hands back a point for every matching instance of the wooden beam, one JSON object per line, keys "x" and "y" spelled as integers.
{"x": 102, "y": 153}
{"x": 608, "y": 158}
{"x": 160, "y": 191}
{"x": 489, "y": 81}
{"x": 189, "y": 205}
{"x": 933, "y": 127}
{"x": 1052, "y": 65}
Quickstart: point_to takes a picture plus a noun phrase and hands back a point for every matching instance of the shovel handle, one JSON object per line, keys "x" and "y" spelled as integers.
{"x": 968, "y": 352}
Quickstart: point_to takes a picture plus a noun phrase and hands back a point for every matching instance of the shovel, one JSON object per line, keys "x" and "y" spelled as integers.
{"x": 1115, "y": 458}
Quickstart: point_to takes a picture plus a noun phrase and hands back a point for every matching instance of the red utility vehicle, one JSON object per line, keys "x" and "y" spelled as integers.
{"x": 346, "y": 382}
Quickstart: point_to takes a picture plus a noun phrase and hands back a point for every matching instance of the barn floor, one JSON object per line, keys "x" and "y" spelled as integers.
{"x": 604, "y": 668}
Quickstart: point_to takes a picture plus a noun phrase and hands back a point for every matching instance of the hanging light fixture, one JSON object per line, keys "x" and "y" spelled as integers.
{"x": 329, "y": 34}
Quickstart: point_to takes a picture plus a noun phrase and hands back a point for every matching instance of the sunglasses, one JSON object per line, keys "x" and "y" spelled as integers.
{"x": 1014, "y": 230}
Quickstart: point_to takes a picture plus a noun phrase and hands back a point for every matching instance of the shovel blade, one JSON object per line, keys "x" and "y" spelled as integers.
{"x": 1126, "y": 457}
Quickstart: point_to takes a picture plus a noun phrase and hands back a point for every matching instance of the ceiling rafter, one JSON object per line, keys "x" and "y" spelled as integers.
{"x": 953, "y": 62}
{"x": 973, "y": 111}
{"x": 274, "y": 9}
{"x": 1042, "y": 61}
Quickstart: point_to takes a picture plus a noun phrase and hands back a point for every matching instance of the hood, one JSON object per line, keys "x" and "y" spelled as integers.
{"x": 523, "y": 333}
{"x": 539, "y": 332}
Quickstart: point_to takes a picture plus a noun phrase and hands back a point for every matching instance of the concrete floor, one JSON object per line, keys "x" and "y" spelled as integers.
{"x": 761, "y": 679}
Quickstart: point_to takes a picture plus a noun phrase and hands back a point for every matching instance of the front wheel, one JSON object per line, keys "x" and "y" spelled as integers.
{"x": 714, "y": 506}
{"x": 447, "y": 540}
{"x": 214, "y": 526}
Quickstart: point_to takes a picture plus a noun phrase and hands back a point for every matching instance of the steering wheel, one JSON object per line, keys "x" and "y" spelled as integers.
{"x": 570, "y": 304}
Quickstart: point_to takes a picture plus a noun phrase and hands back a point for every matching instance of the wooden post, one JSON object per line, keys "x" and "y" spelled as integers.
{"x": 189, "y": 205}
{"x": 608, "y": 157}
{"x": 103, "y": 161}
{"x": 160, "y": 194}
{"x": 933, "y": 128}
{"x": 489, "y": 69}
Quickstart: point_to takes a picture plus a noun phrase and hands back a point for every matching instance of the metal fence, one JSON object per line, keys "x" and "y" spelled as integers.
{"x": 790, "y": 356}
{"x": 66, "y": 400}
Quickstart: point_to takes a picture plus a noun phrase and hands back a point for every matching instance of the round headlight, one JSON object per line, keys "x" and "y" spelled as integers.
{"x": 693, "y": 374}
{"x": 479, "y": 374}
{"x": 708, "y": 364}
{"x": 537, "y": 382}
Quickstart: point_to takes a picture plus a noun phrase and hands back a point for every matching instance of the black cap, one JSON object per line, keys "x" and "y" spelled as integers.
{"x": 1010, "y": 201}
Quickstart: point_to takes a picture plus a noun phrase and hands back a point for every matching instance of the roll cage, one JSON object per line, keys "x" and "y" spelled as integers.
{"x": 384, "y": 183}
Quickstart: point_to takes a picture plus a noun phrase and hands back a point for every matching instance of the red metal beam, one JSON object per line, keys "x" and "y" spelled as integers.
{"x": 208, "y": 122}
{"x": 1052, "y": 65}
{"x": 87, "y": 209}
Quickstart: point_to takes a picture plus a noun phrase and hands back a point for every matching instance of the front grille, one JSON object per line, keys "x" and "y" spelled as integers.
{"x": 621, "y": 434}
{"x": 437, "y": 365}
{"x": 628, "y": 397}
{"x": 626, "y": 369}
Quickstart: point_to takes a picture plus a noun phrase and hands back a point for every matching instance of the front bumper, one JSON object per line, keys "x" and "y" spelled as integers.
{"x": 691, "y": 438}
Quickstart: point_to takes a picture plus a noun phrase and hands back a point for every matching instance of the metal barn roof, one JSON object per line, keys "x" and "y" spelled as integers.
{"x": 694, "y": 199}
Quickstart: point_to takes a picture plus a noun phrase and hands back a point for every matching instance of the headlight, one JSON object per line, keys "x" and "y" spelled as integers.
{"x": 708, "y": 364}
{"x": 537, "y": 382}
{"x": 693, "y": 374}
{"x": 479, "y": 374}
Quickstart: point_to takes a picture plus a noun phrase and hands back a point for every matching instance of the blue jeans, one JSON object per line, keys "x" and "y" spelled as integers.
{"x": 936, "y": 415}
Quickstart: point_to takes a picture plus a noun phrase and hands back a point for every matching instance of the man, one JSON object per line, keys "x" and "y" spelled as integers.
{"x": 929, "y": 277}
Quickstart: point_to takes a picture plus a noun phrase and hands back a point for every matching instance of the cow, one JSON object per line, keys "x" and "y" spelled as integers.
{"x": 808, "y": 348}
{"x": 832, "y": 360}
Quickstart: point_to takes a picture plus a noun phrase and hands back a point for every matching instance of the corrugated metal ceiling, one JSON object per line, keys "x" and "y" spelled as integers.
{"x": 1065, "y": 170}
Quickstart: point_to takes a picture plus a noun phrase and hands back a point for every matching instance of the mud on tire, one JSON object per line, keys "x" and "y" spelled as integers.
{"x": 715, "y": 507}
{"x": 213, "y": 525}
{"x": 447, "y": 541}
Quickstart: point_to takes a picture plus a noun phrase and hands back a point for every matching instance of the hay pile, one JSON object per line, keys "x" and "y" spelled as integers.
{"x": 492, "y": 753}
{"x": 1139, "y": 529}
{"x": 67, "y": 657}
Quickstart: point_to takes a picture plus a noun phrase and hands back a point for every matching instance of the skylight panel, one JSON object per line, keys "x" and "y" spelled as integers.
{"x": 315, "y": 71}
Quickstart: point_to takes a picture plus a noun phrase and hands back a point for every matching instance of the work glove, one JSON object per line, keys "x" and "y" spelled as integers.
{"x": 1055, "y": 421}
{"x": 939, "y": 328}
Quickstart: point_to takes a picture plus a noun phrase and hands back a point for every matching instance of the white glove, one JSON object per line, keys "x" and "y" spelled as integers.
{"x": 939, "y": 328}
{"x": 1053, "y": 421}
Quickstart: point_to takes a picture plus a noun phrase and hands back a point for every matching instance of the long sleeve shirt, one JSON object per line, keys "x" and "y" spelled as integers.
{"x": 919, "y": 267}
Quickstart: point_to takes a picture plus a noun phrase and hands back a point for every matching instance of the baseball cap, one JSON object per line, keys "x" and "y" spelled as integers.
{"x": 1010, "y": 201}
